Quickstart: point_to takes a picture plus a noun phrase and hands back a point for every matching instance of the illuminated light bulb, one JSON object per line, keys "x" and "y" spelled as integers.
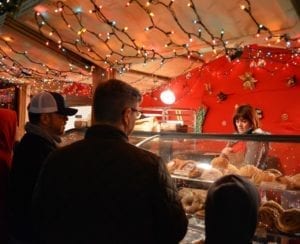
{"x": 167, "y": 97}
{"x": 148, "y": 28}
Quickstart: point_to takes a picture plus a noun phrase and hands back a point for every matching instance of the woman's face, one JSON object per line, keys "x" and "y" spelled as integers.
{"x": 242, "y": 125}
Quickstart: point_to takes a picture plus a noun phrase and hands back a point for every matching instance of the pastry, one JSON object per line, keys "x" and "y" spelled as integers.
{"x": 276, "y": 172}
{"x": 267, "y": 217}
{"x": 188, "y": 168}
{"x": 174, "y": 164}
{"x": 231, "y": 169}
{"x": 211, "y": 174}
{"x": 296, "y": 181}
{"x": 274, "y": 205}
{"x": 289, "y": 221}
{"x": 263, "y": 176}
{"x": 248, "y": 170}
{"x": 192, "y": 200}
{"x": 269, "y": 214}
{"x": 219, "y": 162}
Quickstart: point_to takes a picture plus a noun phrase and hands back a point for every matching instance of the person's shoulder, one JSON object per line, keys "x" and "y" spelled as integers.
{"x": 260, "y": 131}
{"x": 144, "y": 153}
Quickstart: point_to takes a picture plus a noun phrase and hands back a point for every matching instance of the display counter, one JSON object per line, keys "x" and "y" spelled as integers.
{"x": 194, "y": 162}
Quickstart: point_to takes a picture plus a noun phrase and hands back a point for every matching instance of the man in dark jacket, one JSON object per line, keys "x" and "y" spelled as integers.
{"x": 103, "y": 189}
{"x": 47, "y": 118}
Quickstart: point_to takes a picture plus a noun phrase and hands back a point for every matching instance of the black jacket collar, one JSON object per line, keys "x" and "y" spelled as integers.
{"x": 105, "y": 132}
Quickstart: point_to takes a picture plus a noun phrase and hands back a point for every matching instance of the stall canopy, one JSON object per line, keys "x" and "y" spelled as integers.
{"x": 62, "y": 45}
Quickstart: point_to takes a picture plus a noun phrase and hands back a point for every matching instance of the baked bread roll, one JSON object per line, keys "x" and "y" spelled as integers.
{"x": 219, "y": 162}
{"x": 192, "y": 200}
{"x": 268, "y": 217}
{"x": 211, "y": 174}
{"x": 249, "y": 170}
{"x": 231, "y": 169}
{"x": 274, "y": 205}
{"x": 189, "y": 168}
{"x": 263, "y": 176}
{"x": 269, "y": 214}
{"x": 174, "y": 164}
{"x": 289, "y": 221}
{"x": 296, "y": 181}
{"x": 286, "y": 180}
{"x": 276, "y": 172}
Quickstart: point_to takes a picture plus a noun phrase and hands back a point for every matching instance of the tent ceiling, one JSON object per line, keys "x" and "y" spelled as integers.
{"x": 146, "y": 42}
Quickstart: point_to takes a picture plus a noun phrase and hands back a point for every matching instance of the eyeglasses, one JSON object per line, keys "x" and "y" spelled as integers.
{"x": 138, "y": 112}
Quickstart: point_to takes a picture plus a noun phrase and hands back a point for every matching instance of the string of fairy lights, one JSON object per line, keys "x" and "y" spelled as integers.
{"x": 120, "y": 48}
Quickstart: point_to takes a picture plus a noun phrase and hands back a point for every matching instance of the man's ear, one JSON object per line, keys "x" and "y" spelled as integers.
{"x": 126, "y": 117}
{"x": 44, "y": 119}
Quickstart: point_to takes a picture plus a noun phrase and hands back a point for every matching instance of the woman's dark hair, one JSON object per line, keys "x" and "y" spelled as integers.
{"x": 246, "y": 112}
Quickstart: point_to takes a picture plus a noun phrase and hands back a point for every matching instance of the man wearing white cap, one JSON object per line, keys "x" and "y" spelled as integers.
{"x": 47, "y": 114}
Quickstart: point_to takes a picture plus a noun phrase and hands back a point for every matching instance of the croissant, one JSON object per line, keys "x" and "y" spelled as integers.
{"x": 263, "y": 176}
{"x": 249, "y": 170}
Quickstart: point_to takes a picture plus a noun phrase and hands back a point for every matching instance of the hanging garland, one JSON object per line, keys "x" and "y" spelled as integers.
{"x": 200, "y": 117}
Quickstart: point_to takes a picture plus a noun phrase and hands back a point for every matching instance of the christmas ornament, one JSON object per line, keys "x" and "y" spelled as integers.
{"x": 221, "y": 96}
{"x": 291, "y": 81}
{"x": 248, "y": 80}
{"x": 188, "y": 76}
{"x": 284, "y": 117}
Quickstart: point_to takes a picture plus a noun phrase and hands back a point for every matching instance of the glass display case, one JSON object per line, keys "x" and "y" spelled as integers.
{"x": 194, "y": 163}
